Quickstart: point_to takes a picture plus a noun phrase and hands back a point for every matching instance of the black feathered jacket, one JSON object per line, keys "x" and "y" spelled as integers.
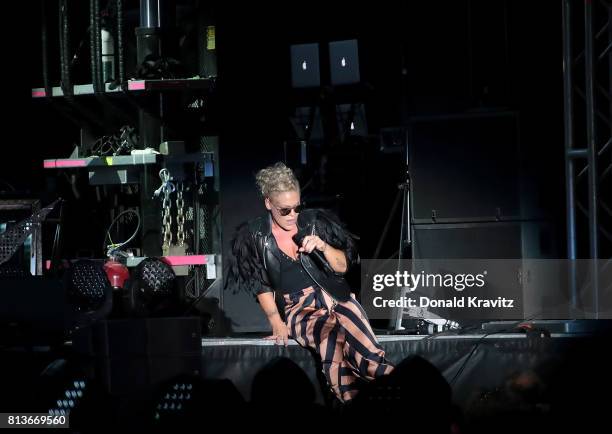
{"x": 255, "y": 265}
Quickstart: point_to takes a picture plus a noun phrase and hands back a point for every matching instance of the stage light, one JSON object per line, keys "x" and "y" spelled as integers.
{"x": 62, "y": 388}
{"x": 156, "y": 277}
{"x": 178, "y": 401}
{"x": 152, "y": 289}
{"x": 87, "y": 285}
{"x": 175, "y": 399}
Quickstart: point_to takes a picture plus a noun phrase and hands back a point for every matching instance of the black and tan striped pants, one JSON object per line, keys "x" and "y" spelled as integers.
{"x": 340, "y": 334}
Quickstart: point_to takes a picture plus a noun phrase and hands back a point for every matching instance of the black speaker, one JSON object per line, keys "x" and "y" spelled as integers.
{"x": 34, "y": 311}
{"x": 494, "y": 240}
{"x": 464, "y": 168}
{"x": 136, "y": 355}
{"x": 534, "y": 285}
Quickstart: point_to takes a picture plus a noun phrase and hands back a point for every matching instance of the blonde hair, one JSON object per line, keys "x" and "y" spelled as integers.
{"x": 277, "y": 178}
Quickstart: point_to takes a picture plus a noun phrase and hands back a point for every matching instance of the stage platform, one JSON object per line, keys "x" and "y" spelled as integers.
{"x": 472, "y": 363}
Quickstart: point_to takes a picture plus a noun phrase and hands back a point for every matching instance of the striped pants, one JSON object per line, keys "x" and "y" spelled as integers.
{"x": 340, "y": 334}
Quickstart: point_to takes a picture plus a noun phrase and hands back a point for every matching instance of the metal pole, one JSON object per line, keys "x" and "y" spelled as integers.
{"x": 45, "y": 51}
{"x": 148, "y": 41}
{"x": 592, "y": 149}
{"x": 405, "y": 229}
{"x": 150, "y": 128}
{"x": 196, "y": 238}
{"x": 149, "y": 13}
{"x": 570, "y": 198}
{"x": 64, "y": 48}
{"x": 610, "y": 66}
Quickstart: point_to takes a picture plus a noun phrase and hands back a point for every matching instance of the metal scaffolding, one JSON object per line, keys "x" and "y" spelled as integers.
{"x": 587, "y": 86}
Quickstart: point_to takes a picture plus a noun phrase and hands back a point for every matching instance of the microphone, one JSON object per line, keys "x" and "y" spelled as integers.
{"x": 333, "y": 283}
{"x": 299, "y": 237}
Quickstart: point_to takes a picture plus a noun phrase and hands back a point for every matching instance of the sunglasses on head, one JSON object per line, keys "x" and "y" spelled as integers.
{"x": 286, "y": 211}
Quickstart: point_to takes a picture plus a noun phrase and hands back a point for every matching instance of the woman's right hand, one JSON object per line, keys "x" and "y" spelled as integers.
{"x": 280, "y": 333}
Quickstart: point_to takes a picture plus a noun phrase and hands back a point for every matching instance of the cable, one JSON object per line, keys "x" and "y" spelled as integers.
{"x": 120, "y": 46}
{"x": 117, "y": 218}
{"x": 458, "y": 332}
{"x": 68, "y": 78}
{"x": 198, "y": 272}
{"x": 121, "y": 143}
{"x": 64, "y": 34}
{"x": 92, "y": 46}
{"x": 9, "y": 185}
{"x": 200, "y": 297}
{"x": 113, "y": 247}
{"x": 477, "y": 344}
{"x": 61, "y": 42}
{"x": 98, "y": 45}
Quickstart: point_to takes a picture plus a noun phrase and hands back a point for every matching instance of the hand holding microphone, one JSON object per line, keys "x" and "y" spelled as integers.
{"x": 312, "y": 245}
{"x": 312, "y": 242}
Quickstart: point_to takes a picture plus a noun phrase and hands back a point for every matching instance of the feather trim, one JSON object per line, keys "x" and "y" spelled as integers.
{"x": 245, "y": 271}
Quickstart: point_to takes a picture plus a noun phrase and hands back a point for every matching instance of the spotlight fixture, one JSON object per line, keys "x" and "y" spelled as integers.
{"x": 175, "y": 399}
{"x": 86, "y": 285}
{"x": 152, "y": 288}
{"x": 156, "y": 278}
{"x": 69, "y": 399}
{"x": 178, "y": 403}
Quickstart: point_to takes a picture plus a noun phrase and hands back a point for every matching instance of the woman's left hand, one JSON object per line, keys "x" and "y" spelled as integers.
{"x": 311, "y": 242}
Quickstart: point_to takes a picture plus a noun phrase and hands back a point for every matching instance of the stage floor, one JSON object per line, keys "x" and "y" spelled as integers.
{"x": 259, "y": 341}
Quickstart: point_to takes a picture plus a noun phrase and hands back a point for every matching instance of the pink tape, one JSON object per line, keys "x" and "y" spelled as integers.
{"x": 136, "y": 85}
{"x": 70, "y": 163}
{"x": 186, "y": 260}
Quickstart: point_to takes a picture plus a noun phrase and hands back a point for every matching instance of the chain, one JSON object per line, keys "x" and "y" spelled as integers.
{"x": 166, "y": 218}
{"x": 180, "y": 215}
{"x": 166, "y": 188}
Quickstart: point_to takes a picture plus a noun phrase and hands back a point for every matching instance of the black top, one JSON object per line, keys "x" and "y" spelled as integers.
{"x": 293, "y": 276}
{"x": 255, "y": 264}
